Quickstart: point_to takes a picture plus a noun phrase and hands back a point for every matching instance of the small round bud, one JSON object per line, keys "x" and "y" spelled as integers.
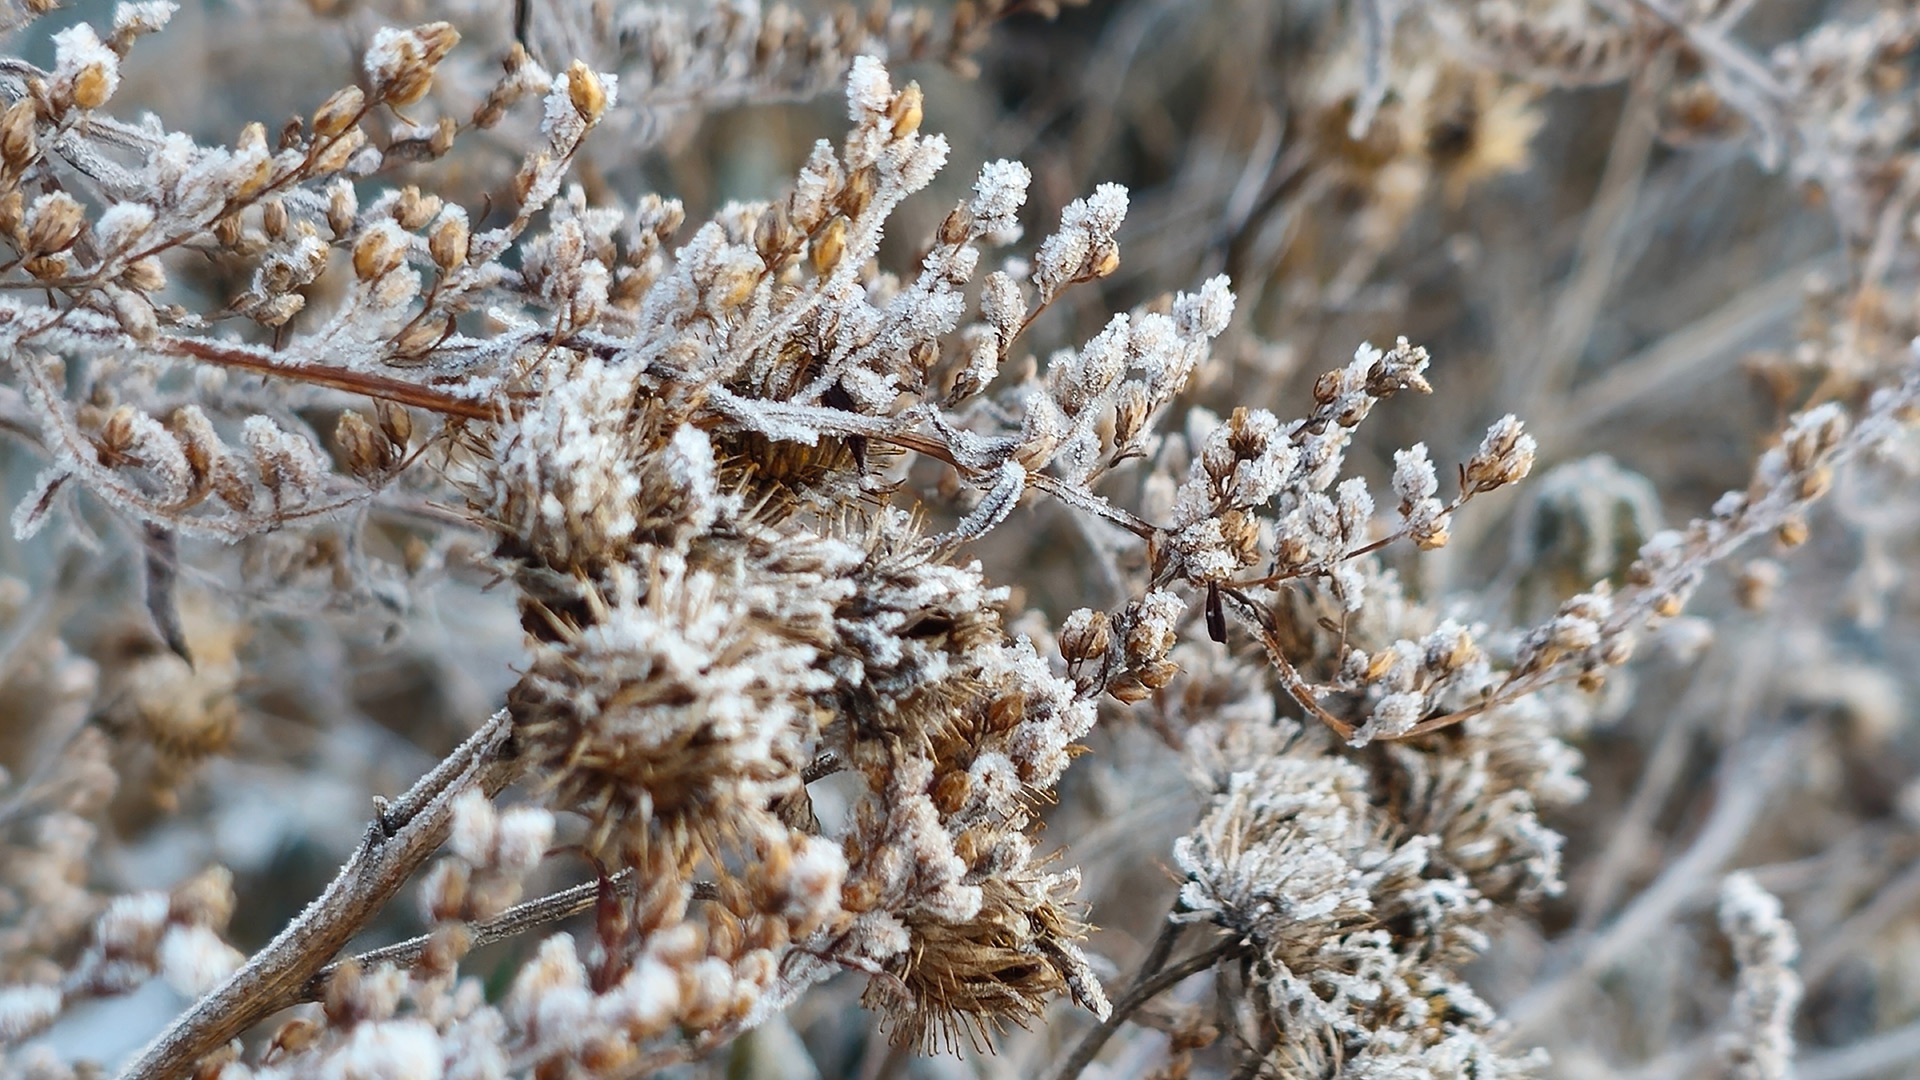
{"x": 19, "y": 140}
{"x": 1792, "y": 532}
{"x": 584, "y": 90}
{"x": 829, "y": 246}
{"x": 53, "y": 223}
{"x": 376, "y": 254}
{"x": 957, "y": 226}
{"x": 339, "y": 112}
{"x": 1085, "y": 635}
{"x": 448, "y": 242}
{"x": 905, "y": 111}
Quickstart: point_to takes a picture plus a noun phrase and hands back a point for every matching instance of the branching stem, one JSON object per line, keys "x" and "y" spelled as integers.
{"x": 1152, "y": 980}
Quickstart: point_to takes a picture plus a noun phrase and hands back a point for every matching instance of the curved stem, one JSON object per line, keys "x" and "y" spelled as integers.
{"x": 1144, "y": 990}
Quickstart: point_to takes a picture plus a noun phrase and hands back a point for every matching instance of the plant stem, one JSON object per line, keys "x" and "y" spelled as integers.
{"x": 1147, "y": 985}
{"x": 402, "y": 836}
{"x": 517, "y": 919}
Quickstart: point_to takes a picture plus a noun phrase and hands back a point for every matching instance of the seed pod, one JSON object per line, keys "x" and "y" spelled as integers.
{"x": 92, "y": 85}
{"x": 339, "y": 112}
{"x": 376, "y": 254}
{"x": 227, "y": 229}
{"x": 415, "y": 340}
{"x": 1792, "y": 532}
{"x": 413, "y": 210}
{"x": 829, "y": 246}
{"x": 858, "y": 194}
{"x": 448, "y": 242}
{"x": 49, "y": 267}
{"x": 1326, "y": 388}
{"x": 116, "y": 435}
{"x": 54, "y": 223}
{"x": 1084, "y": 639}
{"x": 146, "y": 275}
{"x": 1130, "y": 414}
{"x": 19, "y": 141}
{"x": 951, "y": 790}
{"x": 1816, "y": 482}
{"x": 1104, "y": 262}
{"x": 273, "y": 218}
{"x": 771, "y": 233}
{"x": 253, "y": 142}
{"x": 340, "y": 209}
{"x": 293, "y": 1037}
{"x": 584, "y": 90}
{"x": 956, "y": 227}
{"x": 134, "y": 313}
{"x": 905, "y": 111}
{"x": 396, "y": 423}
{"x": 1247, "y": 439}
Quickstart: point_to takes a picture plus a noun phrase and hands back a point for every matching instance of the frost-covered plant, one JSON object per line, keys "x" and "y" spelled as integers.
{"x": 777, "y": 702}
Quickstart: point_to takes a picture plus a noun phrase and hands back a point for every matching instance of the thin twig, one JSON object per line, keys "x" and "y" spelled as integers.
{"x": 1144, "y": 990}
{"x": 514, "y": 921}
{"x": 402, "y": 836}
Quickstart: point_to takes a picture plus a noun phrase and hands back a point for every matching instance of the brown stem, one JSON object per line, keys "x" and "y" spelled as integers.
{"x": 354, "y": 382}
{"x": 1145, "y": 989}
{"x": 514, "y": 921}
{"x": 401, "y": 837}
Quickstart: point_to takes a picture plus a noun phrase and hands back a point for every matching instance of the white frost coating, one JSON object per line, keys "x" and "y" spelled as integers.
{"x": 392, "y": 1050}
{"x": 143, "y": 16}
{"x": 193, "y": 960}
{"x": 27, "y": 1010}
{"x": 869, "y": 91}
{"x": 78, "y": 50}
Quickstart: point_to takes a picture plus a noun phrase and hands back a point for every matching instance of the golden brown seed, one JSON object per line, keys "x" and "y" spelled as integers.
{"x": 273, "y": 218}
{"x": 19, "y": 142}
{"x": 448, "y": 242}
{"x": 905, "y": 112}
{"x": 1130, "y": 414}
{"x": 339, "y": 112}
{"x": 829, "y": 246}
{"x": 57, "y": 221}
{"x": 1792, "y": 532}
{"x": 227, "y": 230}
{"x": 438, "y": 38}
{"x": 951, "y": 790}
{"x": 858, "y": 194}
{"x": 396, "y": 423}
{"x": 48, "y": 267}
{"x": 13, "y": 207}
{"x": 1088, "y": 642}
{"x": 957, "y": 226}
{"x": 253, "y": 139}
{"x": 1326, "y": 388}
{"x": 1816, "y": 482}
{"x": 584, "y": 90}
{"x": 375, "y": 255}
{"x": 90, "y": 88}
{"x": 406, "y": 207}
{"x": 116, "y": 434}
{"x": 294, "y": 1036}
{"x": 340, "y": 211}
